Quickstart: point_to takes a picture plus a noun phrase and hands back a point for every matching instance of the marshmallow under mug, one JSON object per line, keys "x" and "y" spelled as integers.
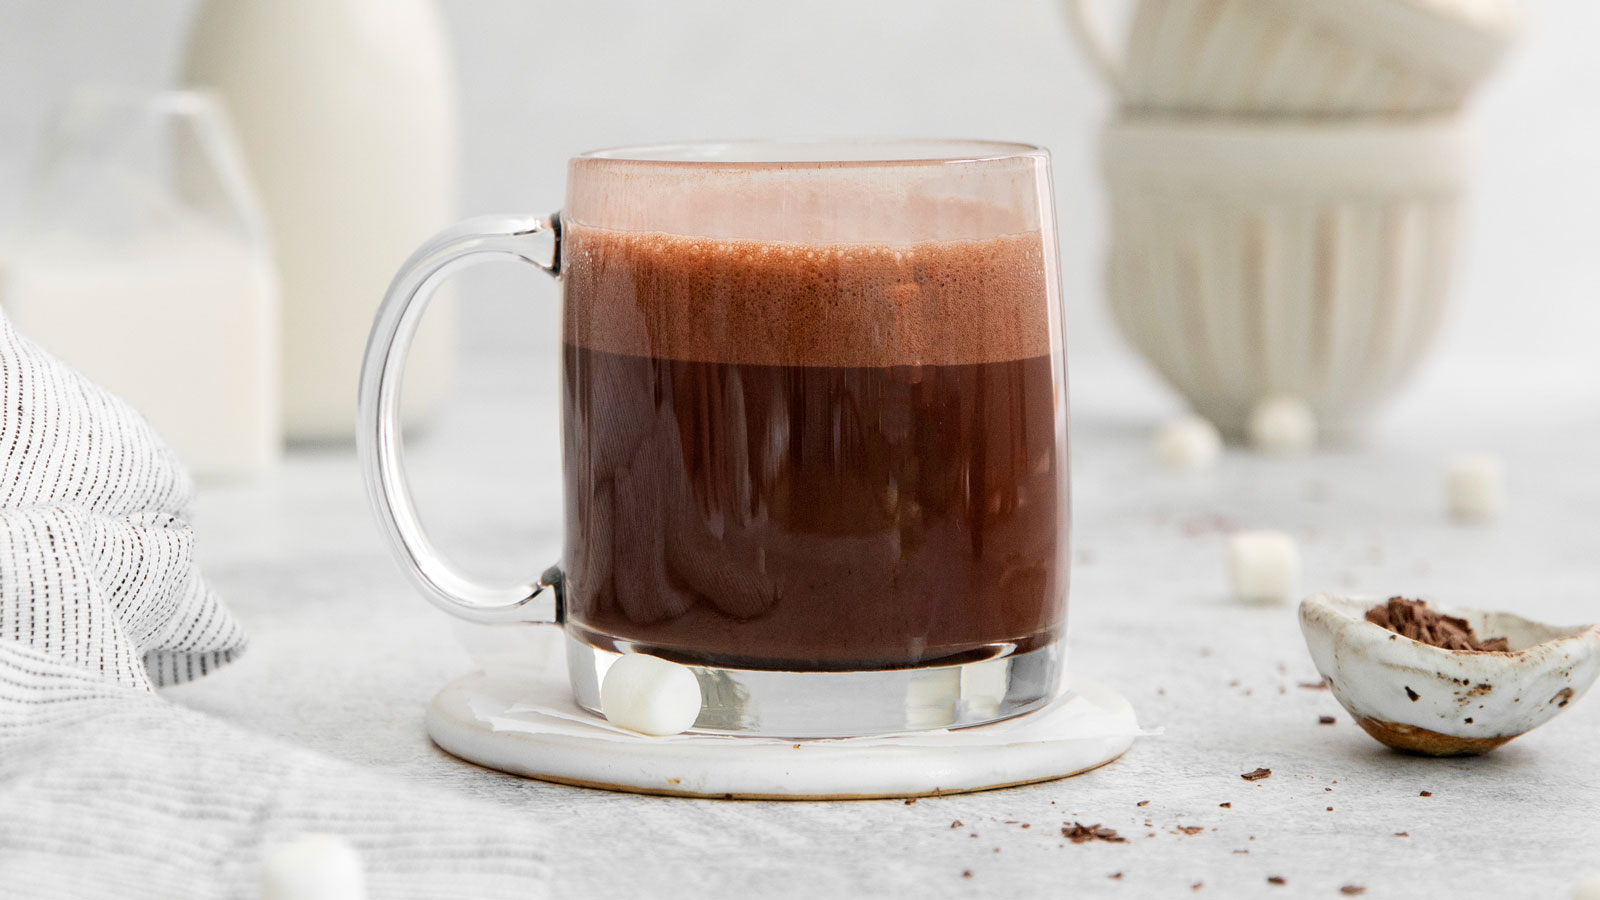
{"x": 813, "y": 427}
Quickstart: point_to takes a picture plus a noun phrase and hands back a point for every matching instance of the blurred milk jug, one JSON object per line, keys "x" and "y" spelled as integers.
{"x": 346, "y": 112}
{"x": 140, "y": 259}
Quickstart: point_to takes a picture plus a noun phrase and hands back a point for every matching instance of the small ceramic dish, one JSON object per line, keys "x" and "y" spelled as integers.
{"x": 1425, "y": 699}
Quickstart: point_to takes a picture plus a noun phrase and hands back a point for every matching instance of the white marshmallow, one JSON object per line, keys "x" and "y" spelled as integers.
{"x": 1188, "y": 444}
{"x": 313, "y": 867}
{"x": 1475, "y": 486}
{"x": 650, "y": 695}
{"x": 1283, "y": 426}
{"x": 1587, "y": 889}
{"x": 1264, "y": 566}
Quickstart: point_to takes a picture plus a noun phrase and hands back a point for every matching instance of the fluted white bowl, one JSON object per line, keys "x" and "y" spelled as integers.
{"x": 1308, "y": 58}
{"x": 1250, "y": 260}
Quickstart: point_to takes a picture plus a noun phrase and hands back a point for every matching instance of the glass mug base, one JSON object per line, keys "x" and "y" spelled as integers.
{"x": 839, "y": 704}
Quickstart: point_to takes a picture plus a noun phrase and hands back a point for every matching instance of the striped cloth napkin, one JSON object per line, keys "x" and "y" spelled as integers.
{"x": 106, "y": 788}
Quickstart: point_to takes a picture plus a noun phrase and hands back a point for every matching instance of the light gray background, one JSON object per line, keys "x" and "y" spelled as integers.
{"x": 345, "y": 656}
{"x": 541, "y": 80}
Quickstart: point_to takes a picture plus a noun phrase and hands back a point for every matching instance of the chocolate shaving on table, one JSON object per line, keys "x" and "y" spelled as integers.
{"x": 1256, "y": 775}
{"x": 1352, "y": 890}
{"x": 1413, "y": 619}
{"x": 1326, "y": 720}
{"x": 1079, "y": 833}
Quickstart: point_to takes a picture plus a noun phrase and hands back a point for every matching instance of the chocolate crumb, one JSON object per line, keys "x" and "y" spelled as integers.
{"x": 1115, "y": 876}
{"x": 973, "y": 835}
{"x": 1352, "y": 890}
{"x": 1276, "y": 879}
{"x": 1402, "y": 834}
{"x": 911, "y": 801}
{"x": 1026, "y": 825}
{"x": 1426, "y": 794}
{"x": 1330, "y": 809}
{"x": 956, "y": 824}
{"x": 1314, "y": 685}
{"x": 1079, "y": 833}
{"x": 1412, "y": 694}
{"x": 966, "y": 873}
{"x": 1142, "y": 803}
{"x": 1226, "y": 805}
{"x": 1190, "y": 829}
{"x": 1413, "y": 619}
{"x": 1256, "y": 775}
{"x": 1327, "y": 790}
{"x": 1326, "y": 720}
{"x": 1197, "y": 885}
{"x": 1242, "y": 852}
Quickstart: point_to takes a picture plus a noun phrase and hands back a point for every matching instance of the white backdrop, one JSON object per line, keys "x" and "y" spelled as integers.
{"x": 541, "y": 80}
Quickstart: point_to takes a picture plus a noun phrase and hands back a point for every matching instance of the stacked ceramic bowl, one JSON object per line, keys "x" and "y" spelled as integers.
{"x": 1284, "y": 178}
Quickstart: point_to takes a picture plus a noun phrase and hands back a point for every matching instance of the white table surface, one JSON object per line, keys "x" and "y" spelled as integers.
{"x": 344, "y": 657}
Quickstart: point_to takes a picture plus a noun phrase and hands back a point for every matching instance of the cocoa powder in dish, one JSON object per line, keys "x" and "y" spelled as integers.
{"x": 1413, "y": 619}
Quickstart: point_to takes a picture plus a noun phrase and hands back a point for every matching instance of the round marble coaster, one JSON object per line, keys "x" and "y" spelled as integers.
{"x": 533, "y": 729}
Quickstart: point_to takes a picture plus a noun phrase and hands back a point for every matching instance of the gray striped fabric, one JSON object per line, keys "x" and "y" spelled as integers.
{"x": 108, "y": 790}
{"x": 96, "y": 562}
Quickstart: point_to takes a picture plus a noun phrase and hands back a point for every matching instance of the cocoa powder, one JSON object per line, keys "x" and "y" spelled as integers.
{"x": 1413, "y": 619}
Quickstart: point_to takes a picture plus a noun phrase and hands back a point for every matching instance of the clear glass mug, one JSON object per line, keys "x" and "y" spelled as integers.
{"x": 814, "y": 429}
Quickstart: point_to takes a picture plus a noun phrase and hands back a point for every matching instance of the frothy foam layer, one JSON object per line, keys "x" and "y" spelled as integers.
{"x": 752, "y": 302}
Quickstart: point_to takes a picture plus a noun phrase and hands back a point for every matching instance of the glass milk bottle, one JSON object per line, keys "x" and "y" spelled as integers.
{"x": 140, "y": 259}
{"x": 346, "y": 112}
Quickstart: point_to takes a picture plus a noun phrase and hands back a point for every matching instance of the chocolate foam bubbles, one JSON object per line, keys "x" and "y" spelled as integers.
{"x": 800, "y": 304}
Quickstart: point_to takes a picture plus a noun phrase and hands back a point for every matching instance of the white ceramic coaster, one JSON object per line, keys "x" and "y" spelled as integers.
{"x": 526, "y": 723}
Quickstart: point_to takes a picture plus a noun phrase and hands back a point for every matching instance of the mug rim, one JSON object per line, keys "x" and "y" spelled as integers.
{"x": 761, "y": 153}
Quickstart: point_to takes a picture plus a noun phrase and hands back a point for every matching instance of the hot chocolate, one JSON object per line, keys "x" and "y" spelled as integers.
{"x": 812, "y": 456}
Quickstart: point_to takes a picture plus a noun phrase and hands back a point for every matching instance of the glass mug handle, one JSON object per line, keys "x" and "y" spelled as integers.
{"x": 378, "y": 437}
